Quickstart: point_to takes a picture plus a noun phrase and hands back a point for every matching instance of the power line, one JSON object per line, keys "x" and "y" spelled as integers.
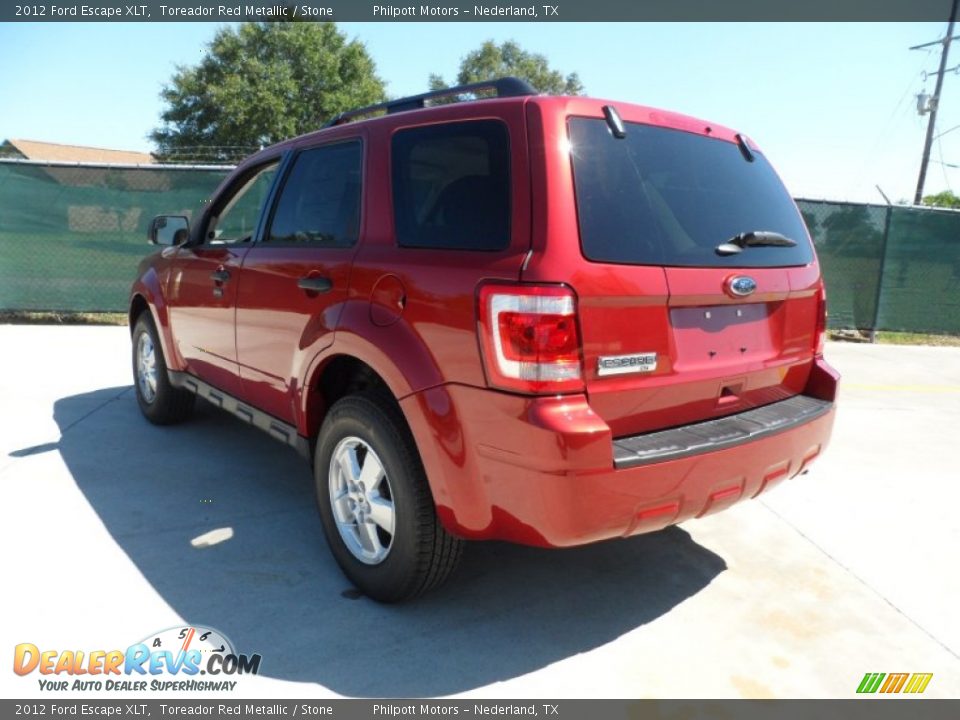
{"x": 943, "y": 165}
{"x": 933, "y": 42}
{"x": 870, "y": 158}
{"x": 940, "y": 135}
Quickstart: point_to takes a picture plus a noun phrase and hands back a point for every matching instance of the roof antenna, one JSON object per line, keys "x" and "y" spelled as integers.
{"x": 614, "y": 122}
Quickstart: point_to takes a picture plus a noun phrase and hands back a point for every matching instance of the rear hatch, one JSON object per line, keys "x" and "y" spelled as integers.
{"x": 674, "y": 330}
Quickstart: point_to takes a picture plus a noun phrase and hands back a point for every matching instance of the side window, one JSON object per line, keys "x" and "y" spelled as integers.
{"x": 451, "y": 186}
{"x": 319, "y": 203}
{"x": 237, "y": 219}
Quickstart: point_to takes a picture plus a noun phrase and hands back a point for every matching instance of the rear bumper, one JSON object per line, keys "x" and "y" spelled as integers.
{"x": 546, "y": 471}
{"x": 719, "y": 434}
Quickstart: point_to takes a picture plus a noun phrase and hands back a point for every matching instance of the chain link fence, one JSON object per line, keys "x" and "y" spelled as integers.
{"x": 71, "y": 237}
{"x": 888, "y": 267}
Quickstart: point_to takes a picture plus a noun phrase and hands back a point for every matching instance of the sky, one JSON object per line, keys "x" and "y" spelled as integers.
{"x": 832, "y": 105}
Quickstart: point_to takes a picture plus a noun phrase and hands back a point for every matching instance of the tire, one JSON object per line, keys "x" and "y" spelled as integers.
{"x": 360, "y": 434}
{"x": 159, "y": 401}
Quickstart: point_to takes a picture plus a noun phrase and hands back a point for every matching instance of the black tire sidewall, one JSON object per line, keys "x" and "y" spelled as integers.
{"x": 397, "y": 576}
{"x": 144, "y": 326}
{"x": 169, "y": 404}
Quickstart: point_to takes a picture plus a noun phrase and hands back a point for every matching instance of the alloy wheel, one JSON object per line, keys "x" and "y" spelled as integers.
{"x": 361, "y": 500}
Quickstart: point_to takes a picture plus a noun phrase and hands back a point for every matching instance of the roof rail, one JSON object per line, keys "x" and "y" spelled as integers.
{"x": 505, "y": 87}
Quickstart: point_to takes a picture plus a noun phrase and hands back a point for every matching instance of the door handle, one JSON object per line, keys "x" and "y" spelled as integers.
{"x": 315, "y": 284}
{"x": 220, "y": 275}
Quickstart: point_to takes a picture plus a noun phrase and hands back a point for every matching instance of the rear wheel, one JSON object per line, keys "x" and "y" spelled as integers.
{"x": 159, "y": 401}
{"x": 375, "y": 504}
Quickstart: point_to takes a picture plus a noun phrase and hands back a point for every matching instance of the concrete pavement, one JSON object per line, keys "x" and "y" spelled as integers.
{"x": 847, "y": 570}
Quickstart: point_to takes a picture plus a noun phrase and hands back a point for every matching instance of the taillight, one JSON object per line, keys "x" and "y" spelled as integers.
{"x": 821, "y": 337}
{"x": 530, "y": 339}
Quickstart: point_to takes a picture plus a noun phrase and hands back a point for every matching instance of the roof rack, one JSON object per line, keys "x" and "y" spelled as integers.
{"x": 505, "y": 87}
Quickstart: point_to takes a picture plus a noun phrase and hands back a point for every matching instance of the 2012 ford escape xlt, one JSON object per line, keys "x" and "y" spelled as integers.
{"x": 547, "y": 320}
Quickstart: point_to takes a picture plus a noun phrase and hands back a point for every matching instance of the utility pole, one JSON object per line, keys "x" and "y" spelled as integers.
{"x": 934, "y": 102}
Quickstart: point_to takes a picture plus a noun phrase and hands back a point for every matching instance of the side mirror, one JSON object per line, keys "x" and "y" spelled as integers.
{"x": 169, "y": 230}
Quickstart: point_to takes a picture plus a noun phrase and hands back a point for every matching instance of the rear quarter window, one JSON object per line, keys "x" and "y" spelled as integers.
{"x": 666, "y": 197}
{"x": 451, "y": 186}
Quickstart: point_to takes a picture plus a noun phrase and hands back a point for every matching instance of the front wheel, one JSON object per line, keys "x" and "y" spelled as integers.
{"x": 375, "y": 504}
{"x": 160, "y": 402}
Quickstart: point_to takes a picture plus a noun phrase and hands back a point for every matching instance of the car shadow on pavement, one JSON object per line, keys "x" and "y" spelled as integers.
{"x": 274, "y": 589}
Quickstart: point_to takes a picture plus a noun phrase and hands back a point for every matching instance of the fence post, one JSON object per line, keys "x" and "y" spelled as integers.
{"x": 883, "y": 263}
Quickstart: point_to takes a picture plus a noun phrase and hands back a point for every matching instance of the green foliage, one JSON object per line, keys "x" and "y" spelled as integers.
{"x": 943, "y": 199}
{"x": 261, "y": 83}
{"x": 492, "y": 61}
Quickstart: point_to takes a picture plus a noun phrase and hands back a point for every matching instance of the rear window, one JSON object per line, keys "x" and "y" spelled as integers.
{"x": 668, "y": 197}
{"x": 451, "y": 186}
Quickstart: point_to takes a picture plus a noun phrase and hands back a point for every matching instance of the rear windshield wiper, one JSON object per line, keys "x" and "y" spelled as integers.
{"x": 756, "y": 238}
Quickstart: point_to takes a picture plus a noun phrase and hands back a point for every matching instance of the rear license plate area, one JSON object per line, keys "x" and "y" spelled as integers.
{"x": 723, "y": 334}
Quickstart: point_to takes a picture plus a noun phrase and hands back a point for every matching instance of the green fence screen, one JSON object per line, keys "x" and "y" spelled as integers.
{"x": 888, "y": 267}
{"x": 849, "y": 242}
{"x": 71, "y": 237}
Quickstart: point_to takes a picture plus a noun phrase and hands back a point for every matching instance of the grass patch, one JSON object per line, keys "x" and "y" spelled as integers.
{"x": 28, "y": 317}
{"x": 888, "y": 337}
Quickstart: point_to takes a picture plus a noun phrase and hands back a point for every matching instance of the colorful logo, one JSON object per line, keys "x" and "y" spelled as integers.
{"x": 894, "y": 682}
{"x": 178, "y": 652}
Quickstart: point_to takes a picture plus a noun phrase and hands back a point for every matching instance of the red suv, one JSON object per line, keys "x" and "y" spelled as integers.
{"x": 547, "y": 320}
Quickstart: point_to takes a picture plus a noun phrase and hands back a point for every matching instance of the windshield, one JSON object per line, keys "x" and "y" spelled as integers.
{"x": 667, "y": 197}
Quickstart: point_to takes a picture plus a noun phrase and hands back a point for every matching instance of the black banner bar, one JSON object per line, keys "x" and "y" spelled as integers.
{"x": 484, "y": 11}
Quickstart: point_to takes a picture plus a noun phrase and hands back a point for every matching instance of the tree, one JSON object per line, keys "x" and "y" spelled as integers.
{"x": 262, "y": 83}
{"x": 943, "y": 199}
{"x": 493, "y": 61}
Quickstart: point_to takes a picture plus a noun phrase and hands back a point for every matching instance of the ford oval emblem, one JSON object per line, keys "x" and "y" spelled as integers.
{"x": 741, "y": 285}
